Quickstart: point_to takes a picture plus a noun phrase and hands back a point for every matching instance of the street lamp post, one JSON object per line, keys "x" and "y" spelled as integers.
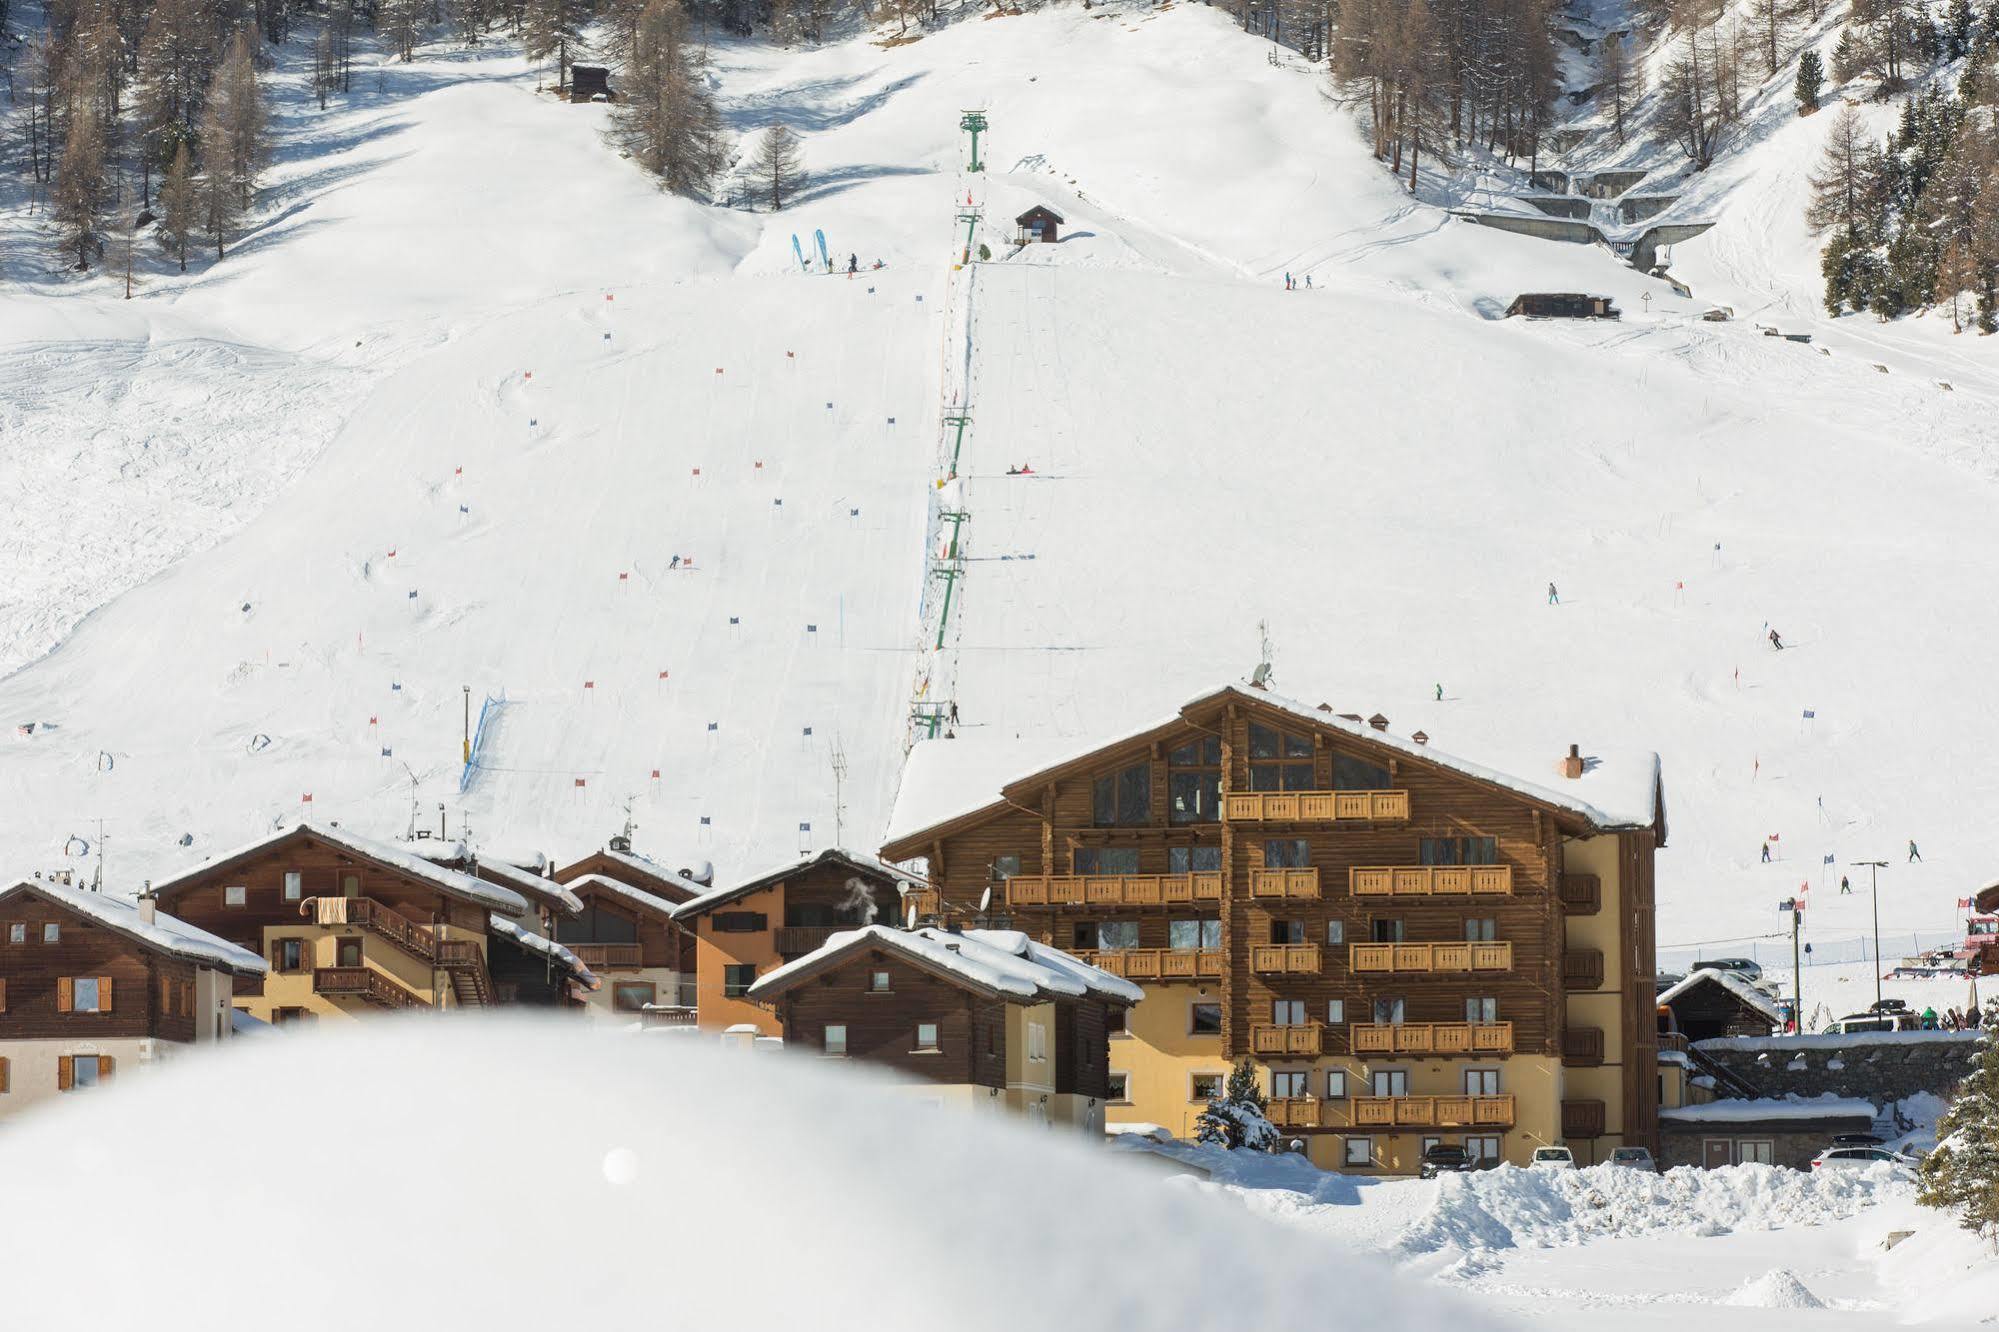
{"x": 1874, "y": 887}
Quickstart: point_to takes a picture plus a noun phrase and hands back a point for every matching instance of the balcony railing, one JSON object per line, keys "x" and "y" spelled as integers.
{"x": 1428, "y": 957}
{"x": 1582, "y": 969}
{"x": 1582, "y": 1047}
{"x": 1430, "y": 1111}
{"x": 1305, "y": 1038}
{"x": 1159, "y": 964}
{"x": 1287, "y": 883}
{"x": 1315, "y": 806}
{"x": 1442, "y": 1038}
{"x": 1673, "y": 1040}
{"x": 1112, "y": 890}
{"x": 1285, "y": 959}
{"x": 1582, "y": 894}
{"x": 797, "y": 940}
{"x": 1293, "y": 1111}
{"x": 377, "y": 919}
{"x": 1582, "y": 1119}
{"x": 1431, "y": 881}
{"x": 365, "y": 984}
{"x": 608, "y": 956}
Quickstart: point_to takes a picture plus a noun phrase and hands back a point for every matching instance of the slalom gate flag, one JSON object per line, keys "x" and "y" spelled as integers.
{"x": 305, "y": 799}
{"x": 1828, "y": 859}
{"x": 1964, "y": 904}
{"x": 1788, "y": 904}
{"x": 1809, "y": 714}
{"x": 581, "y": 782}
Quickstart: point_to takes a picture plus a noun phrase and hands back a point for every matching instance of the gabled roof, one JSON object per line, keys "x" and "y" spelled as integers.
{"x": 642, "y": 871}
{"x": 528, "y": 883}
{"x": 947, "y": 783}
{"x": 164, "y": 933}
{"x": 1040, "y": 209}
{"x": 451, "y": 882}
{"x": 630, "y": 895}
{"x": 1731, "y": 981}
{"x": 998, "y": 964}
{"x": 856, "y": 861}
{"x": 535, "y": 943}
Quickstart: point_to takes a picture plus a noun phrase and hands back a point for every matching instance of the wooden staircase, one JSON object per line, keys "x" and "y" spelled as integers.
{"x": 459, "y": 959}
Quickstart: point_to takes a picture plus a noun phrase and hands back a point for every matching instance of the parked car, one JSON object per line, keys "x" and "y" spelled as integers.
{"x": 1884, "y": 1020}
{"x": 1633, "y": 1158}
{"x": 1666, "y": 980}
{"x": 1856, "y": 1140}
{"x": 1741, "y": 966}
{"x": 1857, "y": 1158}
{"x": 1445, "y": 1159}
{"x": 1553, "y": 1158}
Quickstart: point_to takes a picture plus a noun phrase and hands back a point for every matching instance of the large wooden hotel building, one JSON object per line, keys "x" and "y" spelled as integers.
{"x": 1413, "y": 948}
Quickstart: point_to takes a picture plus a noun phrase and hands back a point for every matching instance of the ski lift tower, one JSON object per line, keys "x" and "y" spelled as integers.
{"x": 974, "y": 123}
{"x": 969, "y": 215}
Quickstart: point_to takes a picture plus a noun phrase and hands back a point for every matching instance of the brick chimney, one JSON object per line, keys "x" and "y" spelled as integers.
{"x": 1572, "y": 766}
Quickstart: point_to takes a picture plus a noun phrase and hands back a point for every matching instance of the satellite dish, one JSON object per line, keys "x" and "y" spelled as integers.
{"x": 1261, "y": 676}
{"x": 985, "y": 900}
{"x": 902, "y": 887}
{"x": 909, "y": 917}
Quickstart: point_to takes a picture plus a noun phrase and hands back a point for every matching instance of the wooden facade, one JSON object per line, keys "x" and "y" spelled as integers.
{"x": 1368, "y": 903}
{"x": 1039, "y": 223}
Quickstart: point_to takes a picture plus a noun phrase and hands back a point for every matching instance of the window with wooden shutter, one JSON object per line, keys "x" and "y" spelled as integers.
{"x": 65, "y": 994}
{"x": 104, "y": 1063}
{"x": 6, "y": 1084}
{"x": 104, "y": 994}
{"x": 65, "y": 1073}
{"x": 3, "y": 994}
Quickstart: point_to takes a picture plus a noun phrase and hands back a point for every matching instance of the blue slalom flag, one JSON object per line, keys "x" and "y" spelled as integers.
{"x": 1828, "y": 859}
{"x": 704, "y": 820}
{"x": 805, "y": 827}
{"x": 1809, "y": 714}
{"x": 1788, "y": 904}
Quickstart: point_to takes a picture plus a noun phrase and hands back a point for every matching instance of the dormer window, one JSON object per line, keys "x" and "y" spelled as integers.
{"x": 1194, "y": 781}
{"x": 1122, "y": 798}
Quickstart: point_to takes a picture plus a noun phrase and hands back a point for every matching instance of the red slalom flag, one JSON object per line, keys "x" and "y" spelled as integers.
{"x": 305, "y": 799}
{"x": 623, "y": 577}
{"x": 655, "y": 774}
{"x": 589, "y": 684}
{"x": 580, "y": 782}
{"x": 662, "y": 675}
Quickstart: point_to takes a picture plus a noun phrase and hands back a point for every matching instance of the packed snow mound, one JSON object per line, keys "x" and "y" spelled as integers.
{"x": 760, "y": 1155}
{"x": 1779, "y": 1288}
{"x": 1514, "y": 1208}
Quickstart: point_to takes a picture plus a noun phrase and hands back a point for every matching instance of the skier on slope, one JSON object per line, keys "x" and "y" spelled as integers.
{"x": 1766, "y": 853}
{"x": 1775, "y": 641}
{"x": 1915, "y": 856}
{"x": 853, "y": 264}
{"x": 1554, "y": 597}
{"x": 675, "y": 564}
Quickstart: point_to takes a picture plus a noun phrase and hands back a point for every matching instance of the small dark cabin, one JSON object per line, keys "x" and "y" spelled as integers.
{"x": 588, "y": 82}
{"x": 1561, "y": 305}
{"x": 1039, "y": 223}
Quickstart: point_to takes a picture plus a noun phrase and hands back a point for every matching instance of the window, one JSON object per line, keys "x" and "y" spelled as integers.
{"x": 350, "y": 885}
{"x": 51, "y": 933}
{"x": 1460, "y": 850}
{"x": 17, "y": 933}
{"x": 1194, "y": 781}
{"x": 1481, "y": 1082}
{"x": 83, "y": 995}
{"x": 1482, "y": 929}
{"x": 1336, "y": 931}
{"x": 1755, "y": 1152}
{"x": 1120, "y": 1086}
{"x": 1005, "y": 867}
{"x": 1360, "y": 1152}
{"x": 1208, "y": 1086}
{"x": 1037, "y": 1041}
{"x": 632, "y": 996}
{"x": 926, "y": 1036}
{"x": 1481, "y": 1150}
{"x": 1287, "y": 1012}
{"x": 284, "y": 1017}
{"x": 1428, "y": 1143}
{"x": 1386, "y": 929}
{"x": 1484, "y": 1008}
{"x": 1355, "y": 774}
{"x": 1194, "y": 934}
{"x": 1336, "y": 1011}
{"x": 1286, "y": 1085}
{"x": 85, "y": 1071}
{"x": 1287, "y": 931}
{"x": 1122, "y": 798}
{"x": 235, "y": 894}
{"x": 1115, "y": 934}
{"x": 597, "y": 925}
{"x": 347, "y": 953}
{"x": 739, "y": 922}
{"x": 288, "y": 954}
{"x": 1106, "y": 860}
{"x": 834, "y": 1042}
{"x": 1117, "y": 1020}
{"x": 1286, "y": 853}
{"x": 1278, "y": 761}
{"x": 1206, "y": 1020}
{"x": 737, "y": 979}
{"x": 1388, "y": 1012}
{"x": 294, "y": 885}
{"x": 878, "y": 982}
{"x": 1336, "y": 1084}
{"x": 1193, "y": 859}
{"x": 1389, "y": 1082}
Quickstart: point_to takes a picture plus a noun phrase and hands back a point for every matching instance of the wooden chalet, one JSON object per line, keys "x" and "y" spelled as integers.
{"x": 983, "y": 1017}
{"x": 90, "y": 984}
{"x": 1561, "y": 305}
{"x": 748, "y": 929}
{"x": 1711, "y": 1003}
{"x": 533, "y": 971}
{"x": 347, "y": 924}
{"x": 1039, "y": 223}
{"x": 588, "y": 83}
{"x": 1412, "y": 946}
{"x": 627, "y": 935}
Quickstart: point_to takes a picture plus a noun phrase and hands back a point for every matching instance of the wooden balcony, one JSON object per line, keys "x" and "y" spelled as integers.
{"x": 1112, "y": 890}
{"x": 1430, "y": 1112}
{"x": 1315, "y": 806}
{"x": 1582, "y": 894}
{"x": 363, "y": 983}
{"x": 1286, "y": 959}
{"x": 368, "y": 914}
{"x": 1582, "y": 1119}
{"x": 1303, "y": 1039}
{"x": 1582, "y": 969}
{"x": 1420, "y": 958}
{"x": 1433, "y": 1038}
{"x": 1431, "y": 881}
{"x": 608, "y": 956}
{"x": 1293, "y": 1111}
{"x": 798, "y": 940}
{"x": 1582, "y": 1047}
{"x": 1284, "y": 883}
{"x": 1159, "y": 964}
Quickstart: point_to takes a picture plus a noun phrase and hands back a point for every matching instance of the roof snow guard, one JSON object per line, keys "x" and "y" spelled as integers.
{"x": 998, "y": 964}
{"x": 451, "y": 882}
{"x": 163, "y": 932}
{"x": 858, "y": 862}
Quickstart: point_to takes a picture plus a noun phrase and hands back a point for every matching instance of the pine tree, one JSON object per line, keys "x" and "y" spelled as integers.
{"x": 1811, "y": 78}
{"x": 552, "y": 28}
{"x": 1619, "y": 81}
{"x": 80, "y": 187}
{"x": 176, "y": 60}
{"x": 1772, "y": 20}
{"x": 237, "y": 103}
{"x": 776, "y": 167}
{"x": 1962, "y": 1174}
{"x": 219, "y": 200}
{"x": 401, "y": 24}
{"x": 179, "y": 206}
{"x": 668, "y": 120}
{"x": 1957, "y": 30}
{"x": 1236, "y": 1118}
{"x": 1846, "y": 57}
{"x": 1847, "y": 184}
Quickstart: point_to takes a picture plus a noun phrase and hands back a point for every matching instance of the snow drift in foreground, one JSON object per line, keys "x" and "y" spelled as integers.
{"x": 519, "y": 1174}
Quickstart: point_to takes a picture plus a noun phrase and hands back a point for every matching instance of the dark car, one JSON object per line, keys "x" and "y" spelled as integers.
{"x": 1741, "y": 966}
{"x": 1666, "y": 980}
{"x": 1445, "y": 1159}
{"x": 1889, "y": 1006}
{"x": 1856, "y": 1140}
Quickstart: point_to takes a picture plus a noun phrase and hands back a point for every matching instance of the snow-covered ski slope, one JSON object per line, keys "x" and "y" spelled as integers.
{"x": 1376, "y": 467}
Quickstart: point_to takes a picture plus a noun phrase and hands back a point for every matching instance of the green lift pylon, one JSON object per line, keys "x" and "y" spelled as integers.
{"x": 970, "y": 217}
{"x": 960, "y": 420}
{"x": 975, "y": 123}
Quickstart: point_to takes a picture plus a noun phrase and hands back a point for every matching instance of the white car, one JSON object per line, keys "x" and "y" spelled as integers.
{"x": 1553, "y": 1158}
{"x": 1854, "y": 1158}
{"x": 1633, "y": 1158}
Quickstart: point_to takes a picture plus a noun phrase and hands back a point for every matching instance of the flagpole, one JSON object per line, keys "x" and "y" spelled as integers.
{"x": 1797, "y": 973}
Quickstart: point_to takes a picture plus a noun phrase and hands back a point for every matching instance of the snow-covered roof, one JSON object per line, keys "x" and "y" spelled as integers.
{"x": 492, "y": 896}
{"x": 1764, "y": 1109}
{"x": 859, "y": 861}
{"x": 167, "y": 933}
{"x": 1734, "y": 983}
{"x": 535, "y": 943}
{"x": 632, "y": 896}
{"x": 514, "y": 874}
{"x": 1003, "y": 963}
{"x": 632, "y": 860}
{"x": 947, "y": 780}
